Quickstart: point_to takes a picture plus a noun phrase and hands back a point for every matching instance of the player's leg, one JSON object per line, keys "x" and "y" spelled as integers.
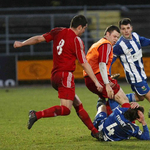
{"x": 132, "y": 97}
{"x": 119, "y": 95}
{"x": 142, "y": 91}
{"x": 101, "y": 108}
{"x": 53, "y": 111}
{"x": 66, "y": 95}
{"x": 99, "y": 117}
{"x": 57, "y": 110}
{"x": 136, "y": 96}
{"x": 139, "y": 97}
{"x": 122, "y": 99}
{"x": 113, "y": 104}
{"x": 104, "y": 102}
{"x": 147, "y": 96}
{"x": 83, "y": 115}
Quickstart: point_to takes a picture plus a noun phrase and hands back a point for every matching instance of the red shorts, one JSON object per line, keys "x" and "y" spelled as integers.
{"x": 63, "y": 82}
{"x": 91, "y": 86}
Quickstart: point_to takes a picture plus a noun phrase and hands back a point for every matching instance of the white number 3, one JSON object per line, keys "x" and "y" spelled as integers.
{"x": 59, "y": 47}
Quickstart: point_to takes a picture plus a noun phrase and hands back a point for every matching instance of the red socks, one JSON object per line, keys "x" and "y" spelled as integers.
{"x": 126, "y": 105}
{"x": 63, "y": 111}
{"x": 109, "y": 111}
{"x": 53, "y": 111}
{"x": 83, "y": 115}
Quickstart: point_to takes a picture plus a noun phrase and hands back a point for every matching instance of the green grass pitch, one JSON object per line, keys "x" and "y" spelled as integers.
{"x": 58, "y": 133}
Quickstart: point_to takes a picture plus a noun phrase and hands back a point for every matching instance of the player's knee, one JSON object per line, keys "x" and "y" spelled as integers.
{"x": 141, "y": 99}
{"x": 65, "y": 111}
{"x": 79, "y": 108}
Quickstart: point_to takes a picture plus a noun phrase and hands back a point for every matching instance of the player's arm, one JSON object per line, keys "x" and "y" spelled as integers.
{"x": 145, "y": 134}
{"x": 83, "y": 61}
{"x": 31, "y": 41}
{"x": 141, "y": 119}
{"x": 104, "y": 51}
{"x": 103, "y": 72}
{"x": 143, "y": 41}
{"x": 86, "y": 66}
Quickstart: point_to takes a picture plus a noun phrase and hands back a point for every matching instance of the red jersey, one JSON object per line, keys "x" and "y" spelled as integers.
{"x": 67, "y": 47}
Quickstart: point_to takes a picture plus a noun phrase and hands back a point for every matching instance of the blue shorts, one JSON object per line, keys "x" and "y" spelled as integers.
{"x": 141, "y": 88}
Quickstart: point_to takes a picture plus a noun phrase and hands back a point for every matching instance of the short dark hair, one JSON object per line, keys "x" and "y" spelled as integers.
{"x": 78, "y": 20}
{"x": 132, "y": 114}
{"x": 124, "y": 21}
{"x": 111, "y": 28}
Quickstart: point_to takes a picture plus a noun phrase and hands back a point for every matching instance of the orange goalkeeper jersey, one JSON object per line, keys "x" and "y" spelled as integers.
{"x": 93, "y": 56}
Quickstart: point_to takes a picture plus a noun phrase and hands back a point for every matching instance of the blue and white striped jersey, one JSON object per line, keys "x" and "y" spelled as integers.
{"x": 130, "y": 55}
{"x": 116, "y": 127}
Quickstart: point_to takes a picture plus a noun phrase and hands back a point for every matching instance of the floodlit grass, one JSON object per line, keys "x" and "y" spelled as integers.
{"x": 59, "y": 133}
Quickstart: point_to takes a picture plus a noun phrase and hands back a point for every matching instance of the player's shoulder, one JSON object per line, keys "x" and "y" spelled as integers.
{"x": 117, "y": 45}
{"x": 120, "y": 110}
{"x": 135, "y": 35}
{"x": 56, "y": 31}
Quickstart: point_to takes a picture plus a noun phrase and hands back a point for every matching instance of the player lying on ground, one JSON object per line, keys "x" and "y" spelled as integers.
{"x": 118, "y": 126}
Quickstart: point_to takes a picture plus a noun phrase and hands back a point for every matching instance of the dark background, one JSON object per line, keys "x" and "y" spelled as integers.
{"x": 36, "y": 3}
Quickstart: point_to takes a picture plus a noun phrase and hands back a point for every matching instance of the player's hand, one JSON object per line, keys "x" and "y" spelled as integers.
{"x": 109, "y": 91}
{"x": 99, "y": 86}
{"x": 17, "y": 44}
{"x": 134, "y": 105}
{"x": 141, "y": 119}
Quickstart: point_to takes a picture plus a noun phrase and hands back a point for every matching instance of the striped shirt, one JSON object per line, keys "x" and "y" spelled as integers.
{"x": 130, "y": 55}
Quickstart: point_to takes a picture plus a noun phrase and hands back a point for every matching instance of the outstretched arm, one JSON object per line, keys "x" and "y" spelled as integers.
{"x": 31, "y": 41}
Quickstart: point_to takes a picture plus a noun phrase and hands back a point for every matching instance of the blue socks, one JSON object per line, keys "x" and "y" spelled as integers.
{"x": 131, "y": 97}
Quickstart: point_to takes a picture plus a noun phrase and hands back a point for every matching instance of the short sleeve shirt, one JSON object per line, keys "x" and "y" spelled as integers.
{"x": 67, "y": 47}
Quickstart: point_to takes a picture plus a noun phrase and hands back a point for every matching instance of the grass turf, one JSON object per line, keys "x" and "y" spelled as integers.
{"x": 58, "y": 133}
